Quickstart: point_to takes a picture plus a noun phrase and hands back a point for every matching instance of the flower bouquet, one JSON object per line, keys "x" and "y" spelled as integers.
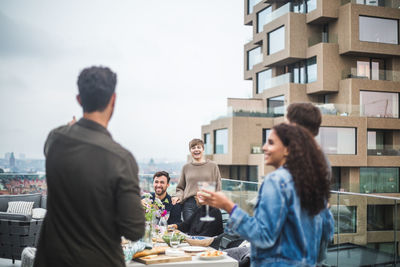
{"x": 156, "y": 216}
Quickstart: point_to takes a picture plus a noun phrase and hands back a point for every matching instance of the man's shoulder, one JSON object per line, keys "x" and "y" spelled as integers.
{"x": 91, "y": 138}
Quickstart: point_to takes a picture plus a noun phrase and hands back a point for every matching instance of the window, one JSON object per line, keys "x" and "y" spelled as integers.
{"x": 311, "y": 69}
{"x": 244, "y": 173}
{"x": 371, "y": 68}
{"x": 276, "y": 40}
{"x": 304, "y": 6}
{"x": 254, "y": 56}
{"x": 251, "y": 4}
{"x": 336, "y": 178}
{"x": 263, "y": 80}
{"x": 304, "y": 71}
{"x": 379, "y": 180}
{"x": 371, "y": 2}
{"x": 221, "y": 141}
{"x": 383, "y": 142}
{"x": 311, "y": 5}
{"x": 276, "y": 105}
{"x": 380, "y": 217}
{"x": 345, "y": 218}
{"x": 336, "y": 140}
{"x": 379, "y": 104}
{"x": 378, "y": 30}
{"x": 207, "y": 144}
{"x": 266, "y": 133}
{"x": 262, "y": 18}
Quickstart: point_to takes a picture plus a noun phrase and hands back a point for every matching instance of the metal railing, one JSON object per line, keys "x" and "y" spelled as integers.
{"x": 381, "y": 3}
{"x": 366, "y": 225}
{"x": 381, "y": 75}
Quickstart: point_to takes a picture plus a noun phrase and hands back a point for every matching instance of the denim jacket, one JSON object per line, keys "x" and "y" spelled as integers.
{"x": 281, "y": 233}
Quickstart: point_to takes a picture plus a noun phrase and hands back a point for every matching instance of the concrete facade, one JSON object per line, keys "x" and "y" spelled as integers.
{"x": 330, "y": 33}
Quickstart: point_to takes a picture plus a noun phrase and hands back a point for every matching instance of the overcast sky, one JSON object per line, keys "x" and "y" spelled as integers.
{"x": 177, "y": 61}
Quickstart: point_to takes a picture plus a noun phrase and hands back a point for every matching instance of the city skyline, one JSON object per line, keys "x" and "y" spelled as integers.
{"x": 176, "y": 62}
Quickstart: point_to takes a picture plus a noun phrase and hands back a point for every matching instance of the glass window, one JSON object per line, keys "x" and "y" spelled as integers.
{"x": 373, "y": 69}
{"x": 383, "y": 142}
{"x": 312, "y": 69}
{"x": 379, "y": 180}
{"x": 304, "y": 71}
{"x": 345, "y": 218}
{"x": 221, "y": 141}
{"x": 276, "y": 105}
{"x": 254, "y": 56}
{"x": 380, "y": 217}
{"x": 262, "y": 17}
{"x": 336, "y": 179}
{"x": 378, "y": 30}
{"x": 363, "y": 69}
{"x": 251, "y": 4}
{"x": 276, "y": 40}
{"x": 263, "y": 80}
{"x": 207, "y": 144}
{"x": 379, "y": 104}
{"x": 336, "y": 140}
{"x": 311, "y": 5}
{"x": 265, "y": 135}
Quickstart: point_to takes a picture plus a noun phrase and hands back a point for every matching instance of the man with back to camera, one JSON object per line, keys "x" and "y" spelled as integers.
{"x": 93, "y": 188}
{"x": 161, "y": 183}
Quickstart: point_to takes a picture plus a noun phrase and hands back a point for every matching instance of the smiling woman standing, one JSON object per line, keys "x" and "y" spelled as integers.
{"x": 291, "y": 218}
{"x": 198, "y": 170}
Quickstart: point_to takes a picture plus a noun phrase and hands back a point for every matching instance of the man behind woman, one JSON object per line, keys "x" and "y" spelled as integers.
{"x": 291, "y": 216}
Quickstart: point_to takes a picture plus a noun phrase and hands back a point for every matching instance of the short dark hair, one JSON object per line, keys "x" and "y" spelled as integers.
{"x": 96, "y": 86}
{"x": 306, "y": 115}
{"x": 162, "y": 173}
{"x": 196, "y": 142}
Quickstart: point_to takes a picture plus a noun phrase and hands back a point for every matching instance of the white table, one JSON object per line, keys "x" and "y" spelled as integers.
{"x": 196, "y": 262}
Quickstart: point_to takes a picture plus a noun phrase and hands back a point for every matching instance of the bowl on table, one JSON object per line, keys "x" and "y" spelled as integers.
{"x": 167, "y": 238}
{"x": 203, "y": 241}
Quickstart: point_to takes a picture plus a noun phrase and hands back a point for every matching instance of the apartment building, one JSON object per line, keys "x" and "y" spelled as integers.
{"x": 343, "y": 56}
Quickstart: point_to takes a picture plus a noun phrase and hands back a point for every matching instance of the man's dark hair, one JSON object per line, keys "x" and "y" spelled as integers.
{"x": 306, "y": 115}
{"x": 162, "y": 173}
{"x": 96, "y": 86}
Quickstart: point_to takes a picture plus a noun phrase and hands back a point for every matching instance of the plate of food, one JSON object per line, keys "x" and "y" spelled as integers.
{"x": 212, "y": 255}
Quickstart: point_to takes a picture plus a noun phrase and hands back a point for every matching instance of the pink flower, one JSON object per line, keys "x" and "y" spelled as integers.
{"x": 164, "y": 213}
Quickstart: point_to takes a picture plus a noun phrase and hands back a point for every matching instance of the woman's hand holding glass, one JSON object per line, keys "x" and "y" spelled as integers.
{"x": 215, "y": 199}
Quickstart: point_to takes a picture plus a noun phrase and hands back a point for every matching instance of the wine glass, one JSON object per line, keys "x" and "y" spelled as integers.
{"x": 209, "y": 186}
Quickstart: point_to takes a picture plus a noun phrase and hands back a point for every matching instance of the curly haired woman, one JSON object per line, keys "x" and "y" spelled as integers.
{"x": 291, "y": 216}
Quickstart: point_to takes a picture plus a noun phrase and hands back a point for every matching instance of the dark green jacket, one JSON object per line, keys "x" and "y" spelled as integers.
{"x": 93, "y": 198}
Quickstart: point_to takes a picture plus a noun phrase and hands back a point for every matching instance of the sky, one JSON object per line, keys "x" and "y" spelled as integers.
{"x": 177, "y": 62}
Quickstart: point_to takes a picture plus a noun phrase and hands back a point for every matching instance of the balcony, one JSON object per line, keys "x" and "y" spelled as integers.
{"x": 322, "y": 38}
{"x": 366, "y": 226}
{"x": 276, "y": 81}
{"x": 377, "y": 75}
{"x": 381, "y": 3}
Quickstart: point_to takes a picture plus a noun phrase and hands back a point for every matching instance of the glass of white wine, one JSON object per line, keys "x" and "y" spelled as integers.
{"x": 209, "y": 186}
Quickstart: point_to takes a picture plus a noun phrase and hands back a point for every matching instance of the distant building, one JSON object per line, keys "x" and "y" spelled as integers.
{"x": 12, "y": 161}
{"x": 344, "y": 57}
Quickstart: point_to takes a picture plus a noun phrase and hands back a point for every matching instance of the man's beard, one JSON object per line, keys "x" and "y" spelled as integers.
{"x": 160, "y": 194}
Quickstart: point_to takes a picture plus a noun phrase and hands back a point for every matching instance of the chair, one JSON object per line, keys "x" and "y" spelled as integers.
{"x": 18, "y": 231}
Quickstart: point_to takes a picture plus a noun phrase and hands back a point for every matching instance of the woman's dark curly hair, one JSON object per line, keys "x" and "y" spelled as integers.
{"x": 307, "y": 165}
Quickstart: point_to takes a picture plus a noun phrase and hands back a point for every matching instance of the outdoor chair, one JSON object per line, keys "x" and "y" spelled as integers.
{"x": 18, "y": 231}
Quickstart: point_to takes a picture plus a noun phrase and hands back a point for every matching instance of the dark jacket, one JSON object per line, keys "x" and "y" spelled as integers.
{"x": 93, "y": 198}
{"x": 194, "y": 226}
{"x": 175, "y": 211}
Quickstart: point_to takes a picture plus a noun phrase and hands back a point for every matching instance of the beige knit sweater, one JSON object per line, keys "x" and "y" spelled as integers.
{"x": 196, "y": 172}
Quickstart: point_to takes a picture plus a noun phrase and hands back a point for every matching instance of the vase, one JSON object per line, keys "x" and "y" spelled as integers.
{"x": 148, "y": 233}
